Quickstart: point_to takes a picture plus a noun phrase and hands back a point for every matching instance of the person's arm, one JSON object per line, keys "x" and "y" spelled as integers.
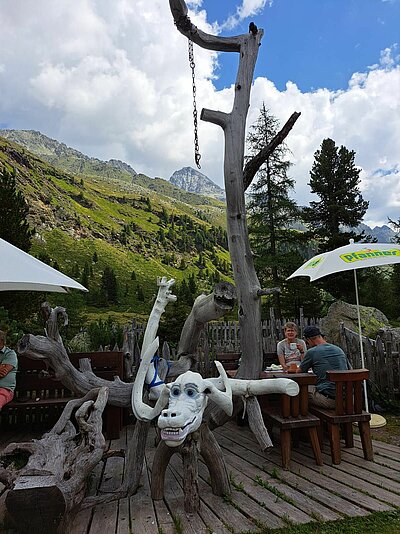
{"x": 281, "y": 355}
{"x": 306, "y": 363}
{"x": 5, "y": 368}
{"x": 302, "y": 348}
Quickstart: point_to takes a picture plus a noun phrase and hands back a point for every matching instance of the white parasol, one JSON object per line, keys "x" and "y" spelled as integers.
{"x": 350, "y": 258}
{"x": 19, "y": 271}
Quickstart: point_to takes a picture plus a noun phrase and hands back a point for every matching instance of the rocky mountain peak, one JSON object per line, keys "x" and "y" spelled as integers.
{"x": 194, "y": 181}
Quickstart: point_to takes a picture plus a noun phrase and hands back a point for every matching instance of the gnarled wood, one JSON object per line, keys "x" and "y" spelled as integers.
{"x": 47, "y": 491}
{"x": 205, "y": 308}
{"x": 201, "y": 442}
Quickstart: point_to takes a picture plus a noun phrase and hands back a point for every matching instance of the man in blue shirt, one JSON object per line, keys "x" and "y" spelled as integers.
{"x": 321, "y": 357}
{"x": 8, "y": 371}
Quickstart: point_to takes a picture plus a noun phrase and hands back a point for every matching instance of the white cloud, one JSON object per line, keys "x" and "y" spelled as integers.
{"x": 113, "y": 80}
{"x": 248, "y": 8}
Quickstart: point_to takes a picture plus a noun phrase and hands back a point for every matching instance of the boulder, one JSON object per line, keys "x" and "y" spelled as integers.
{"x": 372, "y": 321}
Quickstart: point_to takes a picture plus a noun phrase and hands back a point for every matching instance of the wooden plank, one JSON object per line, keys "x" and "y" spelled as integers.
{"x": 380, "y": 446}
{"x": 143, "y": 517}
{"x": 232, "y": 518}
{"x": 363, "y": 470}
{"x": 210, "y": 519}
{"x": 173, "y": 496}
{"x": 105, "y": 517}
{"x": 350, "y": 488}
{"x": 123, "y": 523}
{"x": 336, "y": 496}
{"x": 81, "y": 522}
{"x": 378, "y": 459}
{"x": 304, "y": 504}
{"x": 354, "y": 482}
{"x": 317, "y": 496}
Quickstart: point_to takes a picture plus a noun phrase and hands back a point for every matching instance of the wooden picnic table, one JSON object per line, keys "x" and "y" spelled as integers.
{"x": 292, "y": 406}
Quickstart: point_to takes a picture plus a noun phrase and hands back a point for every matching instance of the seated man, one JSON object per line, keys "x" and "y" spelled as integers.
{"x": 322, "y": 357}
{"x": 8, "y": 371}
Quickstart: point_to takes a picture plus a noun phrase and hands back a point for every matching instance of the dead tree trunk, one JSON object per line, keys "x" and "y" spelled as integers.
{"x": 47, "y": 491}
{"x": 233, "y": 125}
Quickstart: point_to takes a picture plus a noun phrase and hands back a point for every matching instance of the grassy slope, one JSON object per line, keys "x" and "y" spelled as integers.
{"x": 77, "y": 215}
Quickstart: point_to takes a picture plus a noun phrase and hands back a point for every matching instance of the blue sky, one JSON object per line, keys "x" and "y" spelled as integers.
{"x": 314, "y": 43}
{"x": 112, "y": 80}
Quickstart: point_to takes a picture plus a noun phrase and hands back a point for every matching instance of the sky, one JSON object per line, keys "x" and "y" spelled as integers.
{"x": 112, "y": 80}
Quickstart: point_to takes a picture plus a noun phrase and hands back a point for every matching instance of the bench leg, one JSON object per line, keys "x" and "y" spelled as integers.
{"x": 334, "y": 438}
{"x": 365, "y": 434}
{"x": 285, "y": 447}
{"x": 312, "y": 432}
{"x": 348, "y": 434}
{"x": 320, "y": 431}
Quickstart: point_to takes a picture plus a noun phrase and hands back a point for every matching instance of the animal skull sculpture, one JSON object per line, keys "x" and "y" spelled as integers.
{"x": 188, "y": 395}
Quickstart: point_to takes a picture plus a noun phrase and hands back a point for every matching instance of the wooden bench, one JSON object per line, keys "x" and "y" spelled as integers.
{"x": 349, "y": 402}
{"x": 229, "y": 360}
{"x": 40, "y": 398}
{"x": 292, "y": 414}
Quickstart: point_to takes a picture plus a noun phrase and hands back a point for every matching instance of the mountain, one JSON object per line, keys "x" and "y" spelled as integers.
{"x": 194, "y": 181}
{"x": 62, "y": 156}
{"x": 139, "y": 232}
{"x": 384, "y": 234}
{"x": 116, "y": 172}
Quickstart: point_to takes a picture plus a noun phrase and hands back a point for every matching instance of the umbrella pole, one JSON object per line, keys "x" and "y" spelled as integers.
{"x": 361, "y": 343}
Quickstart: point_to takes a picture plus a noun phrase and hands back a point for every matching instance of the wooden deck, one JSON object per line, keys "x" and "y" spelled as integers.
{"x": 264, "y": 494}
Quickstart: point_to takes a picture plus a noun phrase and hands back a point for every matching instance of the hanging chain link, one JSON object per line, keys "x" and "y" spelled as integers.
{"x": 197, "y": 155}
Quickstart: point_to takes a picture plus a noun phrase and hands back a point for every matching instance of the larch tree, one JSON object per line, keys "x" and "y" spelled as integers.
{"x": 271, "y": 211}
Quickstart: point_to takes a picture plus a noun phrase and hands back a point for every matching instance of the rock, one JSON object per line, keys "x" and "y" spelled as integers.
{"x": 372, "y": 320}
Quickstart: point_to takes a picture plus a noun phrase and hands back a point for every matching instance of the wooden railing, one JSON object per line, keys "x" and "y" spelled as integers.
{"x": 217, "y": 337}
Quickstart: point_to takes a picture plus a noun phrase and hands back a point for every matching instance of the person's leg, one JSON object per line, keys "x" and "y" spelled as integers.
{"x": 319, "y": 400}
{"x": 5, "y": 396}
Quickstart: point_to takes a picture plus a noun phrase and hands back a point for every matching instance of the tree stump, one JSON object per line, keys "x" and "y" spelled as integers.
{"x": 46, "y": 493}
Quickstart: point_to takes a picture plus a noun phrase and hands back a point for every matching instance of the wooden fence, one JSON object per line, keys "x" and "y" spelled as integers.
{"x": 381, "y": 357}
{"x": 216, "y": 337}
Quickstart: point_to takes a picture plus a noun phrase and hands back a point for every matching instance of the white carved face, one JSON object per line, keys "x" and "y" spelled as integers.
{"x": 187, "y": 401}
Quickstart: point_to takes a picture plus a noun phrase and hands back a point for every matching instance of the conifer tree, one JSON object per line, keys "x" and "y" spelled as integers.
{"x": 335, "y": 179}
{"x": 14, "y": 226}
{"x": 271, "y": 211}
{"x": 15, "y": 229}
{"x": 109, "y": 286}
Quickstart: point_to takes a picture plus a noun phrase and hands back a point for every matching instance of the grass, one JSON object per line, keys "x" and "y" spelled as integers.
{"x": 265, "y": 484}
{"x": 378, "y": 522}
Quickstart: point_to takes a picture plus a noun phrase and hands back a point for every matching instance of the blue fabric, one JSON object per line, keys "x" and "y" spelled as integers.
{"x": 322, "y": 358}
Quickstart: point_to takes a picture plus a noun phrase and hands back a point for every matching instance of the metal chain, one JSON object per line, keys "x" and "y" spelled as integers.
{"x": 197, "y": 155}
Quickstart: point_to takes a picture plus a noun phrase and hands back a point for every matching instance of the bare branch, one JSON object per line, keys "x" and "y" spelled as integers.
{"x": 255, "y": 163}
{"x": 210, "y": 42}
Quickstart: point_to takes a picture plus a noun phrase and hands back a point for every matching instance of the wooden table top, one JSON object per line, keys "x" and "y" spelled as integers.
{"x": 300, "y": 378}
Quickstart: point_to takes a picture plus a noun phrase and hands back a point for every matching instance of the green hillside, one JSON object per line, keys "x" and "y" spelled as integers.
{"x": 115, "y": 173}
{"x": 141, "y": 229}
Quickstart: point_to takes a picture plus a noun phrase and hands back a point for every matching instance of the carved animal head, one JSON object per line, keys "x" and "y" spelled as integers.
{"x": 188, "y": 397}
